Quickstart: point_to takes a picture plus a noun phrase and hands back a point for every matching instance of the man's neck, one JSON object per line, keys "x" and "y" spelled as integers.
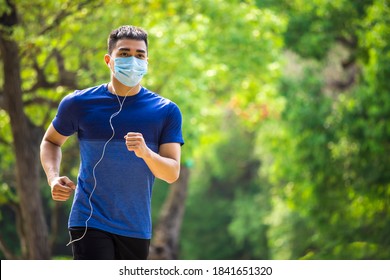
{"x": 122, "y": 90}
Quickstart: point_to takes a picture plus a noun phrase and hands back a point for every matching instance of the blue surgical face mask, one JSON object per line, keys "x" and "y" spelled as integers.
{"x": 130, "y": 70}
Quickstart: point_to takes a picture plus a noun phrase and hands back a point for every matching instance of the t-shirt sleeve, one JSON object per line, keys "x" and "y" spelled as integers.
{"x": 172, "y": 131}
{"x": 65, "y": 121}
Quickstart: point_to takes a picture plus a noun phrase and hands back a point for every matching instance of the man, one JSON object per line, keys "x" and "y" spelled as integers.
{"x": 128, "y": 135}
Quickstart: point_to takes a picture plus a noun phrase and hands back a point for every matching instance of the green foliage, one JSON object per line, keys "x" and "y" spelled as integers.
{"x": 314, "y": 26}
{"x": 223, "y": 220}
{"x": 330, "y": 151}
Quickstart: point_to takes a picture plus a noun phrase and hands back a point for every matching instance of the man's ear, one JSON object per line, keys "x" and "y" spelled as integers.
{"x": 107, "y": 59}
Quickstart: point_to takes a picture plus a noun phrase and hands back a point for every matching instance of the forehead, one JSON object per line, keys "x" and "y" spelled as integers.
{"x": 130, "y": 44}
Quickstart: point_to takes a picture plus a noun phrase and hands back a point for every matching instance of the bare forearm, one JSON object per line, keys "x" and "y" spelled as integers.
{"x": 164, "y": 168}
{"x": 51, "y": 159}
{"x": 165, "y": 164}
{"x": 61, "y": 186}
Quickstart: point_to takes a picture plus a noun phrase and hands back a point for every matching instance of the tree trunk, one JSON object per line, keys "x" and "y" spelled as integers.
{"x": 165, "y": 244}
{"x": 26, "y": 139}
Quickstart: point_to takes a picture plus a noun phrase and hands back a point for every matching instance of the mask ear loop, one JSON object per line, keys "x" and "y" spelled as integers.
{"x": 98, "y": 162}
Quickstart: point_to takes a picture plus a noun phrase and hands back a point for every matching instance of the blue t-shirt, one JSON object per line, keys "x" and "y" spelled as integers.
{"x": 122, "y": 197}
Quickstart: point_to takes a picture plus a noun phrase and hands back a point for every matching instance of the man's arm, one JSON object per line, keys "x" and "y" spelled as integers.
{"x": 51, "y": 155}
{"x": 165, "y": 164}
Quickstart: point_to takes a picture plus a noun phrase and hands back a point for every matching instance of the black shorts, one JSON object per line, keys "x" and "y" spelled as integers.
{"x": 101, "y": 245}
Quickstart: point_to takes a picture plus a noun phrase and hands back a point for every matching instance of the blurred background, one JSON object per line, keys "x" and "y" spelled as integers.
{"x": 286, "y": 110}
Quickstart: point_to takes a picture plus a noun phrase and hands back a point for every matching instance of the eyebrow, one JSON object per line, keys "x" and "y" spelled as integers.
{"x": 127, "y": 50}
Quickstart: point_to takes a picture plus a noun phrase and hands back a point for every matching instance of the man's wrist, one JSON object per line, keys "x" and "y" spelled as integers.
{"x": 148, "y": 155}
{"x": 51, "y": 178}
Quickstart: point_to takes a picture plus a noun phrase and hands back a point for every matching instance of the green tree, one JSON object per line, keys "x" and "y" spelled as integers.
{"x": 34, "y": 41}
{"x": 227, "y": 199}
{"x": 331, "y": 172}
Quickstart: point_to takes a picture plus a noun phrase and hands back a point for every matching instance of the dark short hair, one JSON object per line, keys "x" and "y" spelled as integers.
{"x": 126, "y": 32}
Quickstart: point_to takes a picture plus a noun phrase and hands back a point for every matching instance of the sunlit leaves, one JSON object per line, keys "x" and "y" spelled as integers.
{"x": 330, "y": 151}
